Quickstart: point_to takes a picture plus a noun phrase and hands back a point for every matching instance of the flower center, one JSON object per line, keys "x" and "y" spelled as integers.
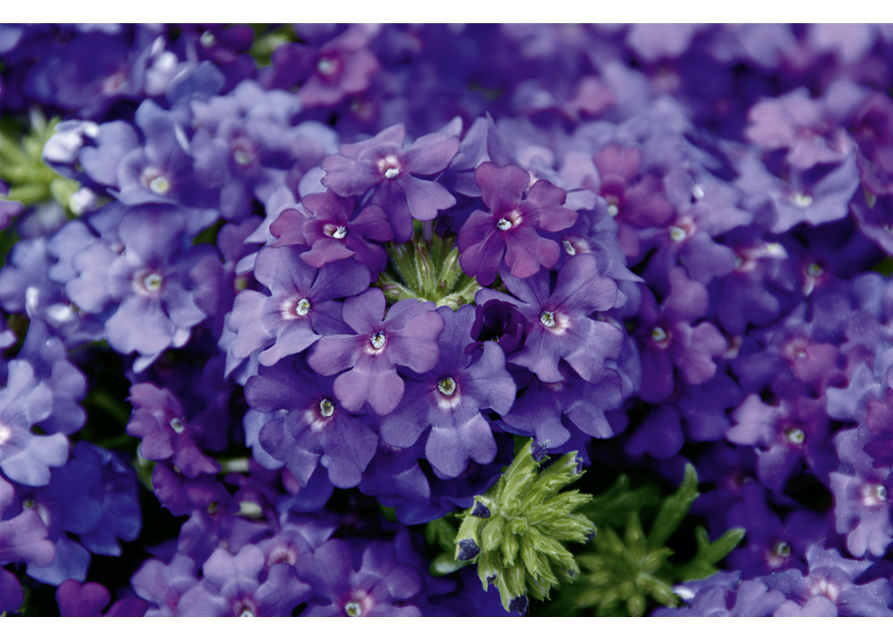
{"x": 303, "y": 307}
{"x": 795, "y": 435}
{"x": 5, "y": 434}
{"x": 160, "y": 185}
{"x": 548, "y": 319}
{"x": 28, "y": 503}
{"x": 504, "y": 224}
{"x": 325, "y": 66}
{"x": 341, "y": 231}
{"x": 697, "y": 191}
{"x": 152, "y": 282}
{"x": 571, "y": 251}
{"x": 802, "y": 200}
{"x": 241, "y": 157}
{"x": 177, "y": 426}
{"x": 207, "y": 39}
{"x": 880, "y": 492}
{"x": 392, "y": 172}
{"x": 814, "y": 270}
{"x": 326, "y": 408}
{"x": 613, "y": 210}
{"x": 353, "y": 609}
{"x": 781, "y": 550}
{"x": 447, "y": 386}
{"x": 677, "y": 233}
{"x": 658, "y": 334}
{"x": 377, "y": 339}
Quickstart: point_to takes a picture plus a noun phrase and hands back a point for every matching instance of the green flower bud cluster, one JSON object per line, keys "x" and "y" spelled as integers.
{"x": 627, "y": 573}
{"x": 427, "y": 270}
{"x": 516, "y": 530}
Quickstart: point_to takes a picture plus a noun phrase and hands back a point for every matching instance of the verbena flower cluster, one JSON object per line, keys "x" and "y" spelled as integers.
{"x": 652, "y": 245}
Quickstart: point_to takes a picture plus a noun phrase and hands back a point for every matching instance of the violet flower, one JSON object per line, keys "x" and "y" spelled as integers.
{"x": 559, "y": 317}
{"x": 451, "y": 398}
{"x": 381, "y": 163}
{"x": 406, "y": 336}
{"x": 510, "y": 226}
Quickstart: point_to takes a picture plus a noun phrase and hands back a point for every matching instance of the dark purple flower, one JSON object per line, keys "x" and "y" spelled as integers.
{"x": 500, "y": 322}
{"x": 406, "y": 336}
{"x": 510, "y": 227}
{"x": 451, "y": 398}
{"x": 383, "y": 164}
{"x": 91, "y": 598}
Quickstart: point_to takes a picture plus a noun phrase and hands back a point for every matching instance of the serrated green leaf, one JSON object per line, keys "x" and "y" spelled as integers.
{"x": 674, "y": 508}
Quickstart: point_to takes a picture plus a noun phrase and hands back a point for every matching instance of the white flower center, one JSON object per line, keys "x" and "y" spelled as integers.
{"x": 326, "y": 408}
{"x": 241, "y": 157}
{"x": 802, "y": 200}
{"x": 152, "y": 282}
{"x": 377, "y": 339}
{"x": 177, "y": 426}
{"x": 814, "y": 270}
{"x": 353, "y": 609}
{"x": 571, "y": 251}
{"x": 677, "y": 233}
{"x": 341, "y": 231}
{"x": 548, "y": 319}
{"x": 303, "y": 307}
{"x": 207, "y": 39}
{"x": 5, "y": 434}
{"x": 28, "y": 503}
{"x": 795, "y": 435}
{"x": 246, "y": 614}
{"x": 325, "y": 66}
{"x": 392, "y": 172}
{"x": 504, "y": 224}
{"x": 658, "y": 334}
{"x": 447, "y": 386}
{"x": 160, "y": 185}
{"x": 613, "y": 210}
{"x": 880, "y": 492}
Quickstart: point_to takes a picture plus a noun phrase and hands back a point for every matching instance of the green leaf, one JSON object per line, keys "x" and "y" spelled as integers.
{"x": 709, "y": 553}
{"x": 674, "y": 509}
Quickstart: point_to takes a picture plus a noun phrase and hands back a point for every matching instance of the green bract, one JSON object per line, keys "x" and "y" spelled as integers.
{"x": 427, "y": 270}
{"x": 622, "y": 572}
{"x": 515, "y": 531}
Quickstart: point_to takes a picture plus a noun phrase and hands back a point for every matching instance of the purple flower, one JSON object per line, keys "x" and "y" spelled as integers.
{"x": 863, "y": 495}
{"x": 383, "y": 164}
{"x": 561, "y": 328}
{"x": 510, "y": 226}
{"x": 406, "y": 336}
{"x": 669, "y": 340}
{"x": 26, "y": 457}
{"x": 332, "y": 235}
{"x": 317, "y": 427}
{"x": 379, "y": 586}
{"x": 232, "y": 585}
{"x": 156, "y": 290}
{"x": 300, "y": 309}
{"x": 91, "y": 598}
{"x": 451, "y": 397}
{"x": 160, "y": 421}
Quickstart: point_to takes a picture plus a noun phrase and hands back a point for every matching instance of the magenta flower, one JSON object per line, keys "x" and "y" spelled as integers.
{"x": 510, "y": 227}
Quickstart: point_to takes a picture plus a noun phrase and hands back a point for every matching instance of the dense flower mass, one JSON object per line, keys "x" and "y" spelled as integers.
{"x": 285, "y": 308}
